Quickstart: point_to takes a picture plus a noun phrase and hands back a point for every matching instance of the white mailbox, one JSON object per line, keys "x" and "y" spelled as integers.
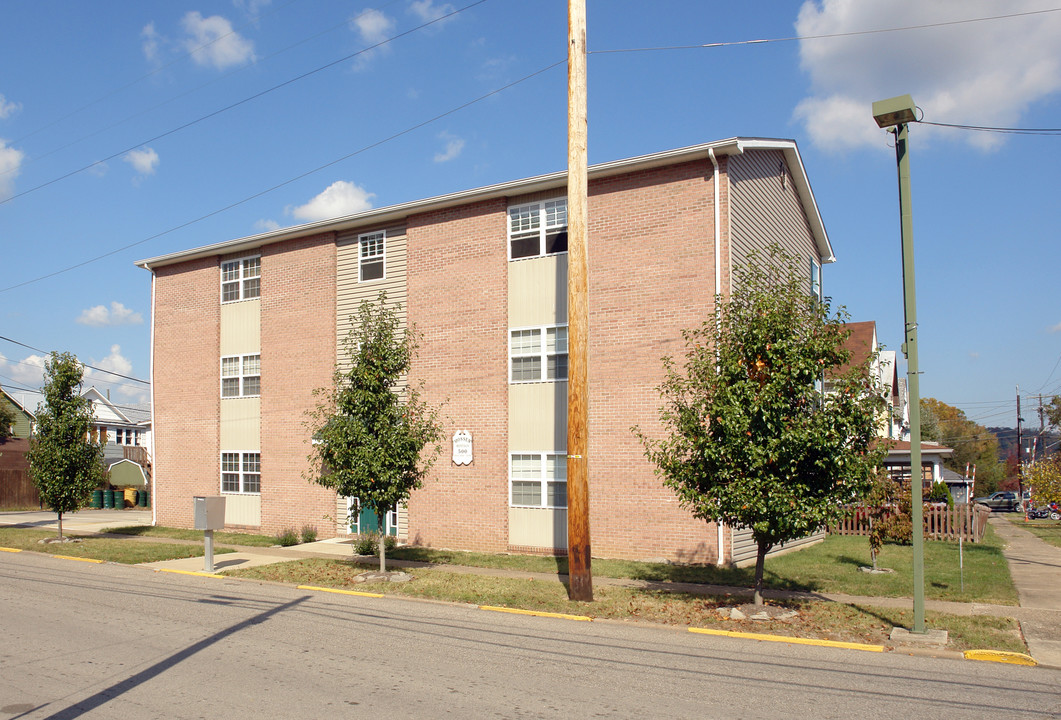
{"x": 209, "y": 513}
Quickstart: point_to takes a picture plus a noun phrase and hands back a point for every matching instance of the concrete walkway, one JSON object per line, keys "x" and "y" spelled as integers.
{"x": 1036, "y": 569}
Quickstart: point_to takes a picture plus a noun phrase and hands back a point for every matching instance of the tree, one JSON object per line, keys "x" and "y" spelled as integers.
{"x": 973, "y": 444}
{"x": 1053, "y": 411}
{"x": 66, "y": 465}
{"x": 753, "y": 440}
{"x": 370, "y": 428}
{"x": 7, "y": 419}
{"x": 1044, "y": 477}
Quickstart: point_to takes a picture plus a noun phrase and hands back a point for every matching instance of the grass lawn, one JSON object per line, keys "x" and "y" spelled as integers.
{"x": 227, "y": 538}
{"x": 98, "y": 548}
{"x": 831, "y": 621}
{"x": 1048, "y": 530}
{"x": 830, "y": 566}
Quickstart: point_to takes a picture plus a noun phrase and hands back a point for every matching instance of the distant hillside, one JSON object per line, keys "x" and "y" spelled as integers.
{"x": 1007, "y": 441}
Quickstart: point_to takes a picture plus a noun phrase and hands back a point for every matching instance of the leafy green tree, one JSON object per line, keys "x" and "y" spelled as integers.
{"x": 66, "y": 465}
{"x": 1053, "y": 411}
{"x": 1045, "y": 478}
{"x": 752, "y": 440}
{"x": 7, "y": 419}
{"x": 973, "y": 444}
{"x": 371, "y": 428}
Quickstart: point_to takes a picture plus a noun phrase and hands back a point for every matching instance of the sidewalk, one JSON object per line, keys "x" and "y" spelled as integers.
{"x": 1036, "y": 569}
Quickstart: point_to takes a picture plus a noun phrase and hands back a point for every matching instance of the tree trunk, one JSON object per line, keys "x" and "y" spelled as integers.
{"x": 760, "y": 563}
{"x": 381, "y": 521}
{"x": 60, "y": 526}
{"x": 872, "y": 547}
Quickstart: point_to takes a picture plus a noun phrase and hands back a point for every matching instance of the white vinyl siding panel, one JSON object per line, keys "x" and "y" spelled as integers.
{"x": 241, "y": 332}
{"x": 745, "y": 549}
{"x": 765, "y": 208}
{"x": 241, "y": 423}
{"x": 350, "y": 291}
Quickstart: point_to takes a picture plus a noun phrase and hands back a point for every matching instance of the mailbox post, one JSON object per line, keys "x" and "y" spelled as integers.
{"x": 209, "y": 516}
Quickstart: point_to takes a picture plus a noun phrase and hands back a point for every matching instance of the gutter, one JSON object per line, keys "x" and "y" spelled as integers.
{"x": 720, "y": 560}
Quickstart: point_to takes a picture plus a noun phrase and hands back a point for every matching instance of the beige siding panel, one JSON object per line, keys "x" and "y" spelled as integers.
{"x": 537, "y": 417}
{"x": 243, "y": 510}
{"x": 241, "y": 425}
{"x": 745, "y": 550}
{"x": 350, "y": 292}
{"x": 537, "y": 527}
{"x": 241, "y": 327}
{"x": 765, "y": 208}
{"x": 537, "y": 291}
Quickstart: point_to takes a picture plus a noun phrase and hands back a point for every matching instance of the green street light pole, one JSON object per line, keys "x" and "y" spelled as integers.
{"x": 898, "y": 112}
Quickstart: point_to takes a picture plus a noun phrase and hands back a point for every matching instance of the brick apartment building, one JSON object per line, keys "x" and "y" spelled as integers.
{"x": 243, "y": 331}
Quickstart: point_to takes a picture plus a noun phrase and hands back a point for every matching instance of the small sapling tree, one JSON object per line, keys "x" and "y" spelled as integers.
{"x": 371, "y": 427}
{"x": 66, "y": 465}
{"x": 751, "y": 438}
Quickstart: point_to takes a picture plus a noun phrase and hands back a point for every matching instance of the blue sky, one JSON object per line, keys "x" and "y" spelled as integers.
{"x": 127, "y": 129}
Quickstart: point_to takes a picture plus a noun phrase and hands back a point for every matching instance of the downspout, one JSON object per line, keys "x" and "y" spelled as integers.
{"x": 154, "y": 458}
{"x": 721, "y": 559}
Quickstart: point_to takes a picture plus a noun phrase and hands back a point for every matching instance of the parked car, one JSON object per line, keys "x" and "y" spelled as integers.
{"x": 1001, "y": 500}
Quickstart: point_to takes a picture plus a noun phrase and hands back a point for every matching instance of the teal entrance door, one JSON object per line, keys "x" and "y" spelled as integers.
{"x": 366, "y": 520}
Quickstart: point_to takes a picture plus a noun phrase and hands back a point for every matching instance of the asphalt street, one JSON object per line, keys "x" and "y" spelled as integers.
{"x": 83, "y": 640}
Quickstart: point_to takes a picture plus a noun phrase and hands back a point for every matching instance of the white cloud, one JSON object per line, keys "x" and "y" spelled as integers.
{"x": 28, "y": 372}
{"x": 117, "y": 314}
{"x": 117, "y": 363}
{"x": 982, "y": 73}
{"x": 266, "y": 225}
{"x": 251, "y": 7}
{"x": 454, "y": 146}
{"x": 150, "y": 41}
{"x": 10, "y": 166}
{"x": 373, "y": 27}
{"x": 1055, "y": 328}
{"x": 338, "y": 199}
{"x": 973, "y": 355}
{"x": 7, "y": 109}
{"x": 213, "y": 42}
{"x": 143, "y": 161}
{"x": 428, "y": 10}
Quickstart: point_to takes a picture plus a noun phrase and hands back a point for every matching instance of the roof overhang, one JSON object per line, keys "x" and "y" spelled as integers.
{"x": 552, "y": 181}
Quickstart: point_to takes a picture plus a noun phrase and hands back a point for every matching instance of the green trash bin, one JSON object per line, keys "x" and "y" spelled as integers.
{"x": 97, "y": 499}
{"x": 108, "y": 499}
{"x": 141, "y": 499}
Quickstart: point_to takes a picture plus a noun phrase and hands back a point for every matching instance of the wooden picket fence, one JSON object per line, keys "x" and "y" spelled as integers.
{"x": 963, "y": 520}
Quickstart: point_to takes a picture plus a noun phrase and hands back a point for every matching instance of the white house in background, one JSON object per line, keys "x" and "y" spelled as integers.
{"x": 120, "y": 427}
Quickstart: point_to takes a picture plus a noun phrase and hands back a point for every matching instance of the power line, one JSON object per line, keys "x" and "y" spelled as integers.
{"x": 46, "y": 352}
{"x": 826, "y": 36}
{"x": 238, "y": 103}
{"x": 317, "y": 169}
{"x": 1003, "y": 130}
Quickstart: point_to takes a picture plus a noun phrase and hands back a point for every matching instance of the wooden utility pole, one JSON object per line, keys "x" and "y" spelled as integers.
{"x": 580, "y": 583}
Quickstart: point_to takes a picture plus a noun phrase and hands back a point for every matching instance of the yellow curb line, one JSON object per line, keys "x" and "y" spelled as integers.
{"x": 1001, "y": 656}
{"x": 71, "y": 557}
{"x": 339, "y": 592}
{"x": 792, "y": 640}
{"x": 537, "y": 613}
{"x": 3, "y": 549}
{"x": 189, "y": 572}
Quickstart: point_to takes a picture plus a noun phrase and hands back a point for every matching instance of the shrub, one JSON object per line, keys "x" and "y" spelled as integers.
{"x": 940, "y": 493}
{"x": 309, "y": 534}
{"x": 287, "y": 537}
{"x": 368, "y": 543}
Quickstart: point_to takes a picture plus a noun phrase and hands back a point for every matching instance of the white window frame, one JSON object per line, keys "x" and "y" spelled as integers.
{"x": 248, "y": 466}
{"x": 242, "y": 375}
{"x": 247, "y": 280}
{"x": 543, "y": 478}
{"x": 542, "y": 353}
{"x": 380, "y": 257}
{"x": 526, "y": 220}
{"x": 815, "y": 279}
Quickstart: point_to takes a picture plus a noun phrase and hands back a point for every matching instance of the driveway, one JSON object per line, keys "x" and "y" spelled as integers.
{"x": 82, "y": 521}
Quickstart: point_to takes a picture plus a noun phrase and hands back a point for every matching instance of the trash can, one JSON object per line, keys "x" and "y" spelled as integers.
{"x": 130, "y": 497}
{"x": 142, "y": 499}
{"x": 108, "y": 499}
{"x": 97, "y": 499}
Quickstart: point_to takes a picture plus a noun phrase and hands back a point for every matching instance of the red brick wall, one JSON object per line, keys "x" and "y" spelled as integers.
{"x": 185, "y": 372}
{"x": 298, "y": 356}
{"x": 458, "y": 277}
{"x": 651, "y": 275}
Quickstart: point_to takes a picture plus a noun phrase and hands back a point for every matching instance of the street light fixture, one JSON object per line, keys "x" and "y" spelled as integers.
{"x": 898, "y": 112}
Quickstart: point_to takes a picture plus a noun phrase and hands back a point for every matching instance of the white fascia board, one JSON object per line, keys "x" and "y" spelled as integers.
{"x": 803, "y": 188}
{"x": 401, "y": 211}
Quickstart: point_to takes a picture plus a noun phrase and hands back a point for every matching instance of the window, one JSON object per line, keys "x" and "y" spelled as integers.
{"x": 815, "y": 279}
{"x": 241, "y": 279}
{"x": 241, "y": 472}
{"x": 241, "y": 376}
{"x": 538, "y": 354}
{"x": 538, "y": 480}
{"x": 537, "y": 229}
{"x": 371, "y": 256}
